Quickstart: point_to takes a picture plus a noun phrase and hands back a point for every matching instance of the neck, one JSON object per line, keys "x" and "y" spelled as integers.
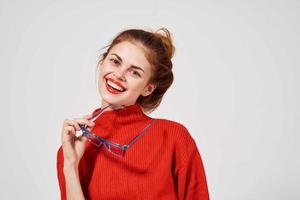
{"x": 108, "y": 107}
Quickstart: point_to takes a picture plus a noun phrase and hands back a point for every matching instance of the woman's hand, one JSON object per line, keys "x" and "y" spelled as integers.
{"x": 74, "y": 146}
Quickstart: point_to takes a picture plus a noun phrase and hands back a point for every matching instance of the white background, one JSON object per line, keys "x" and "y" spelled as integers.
{"x": 236, "y": 87}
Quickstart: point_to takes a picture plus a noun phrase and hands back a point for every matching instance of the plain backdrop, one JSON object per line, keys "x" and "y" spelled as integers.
{"x": 236, "y": 87}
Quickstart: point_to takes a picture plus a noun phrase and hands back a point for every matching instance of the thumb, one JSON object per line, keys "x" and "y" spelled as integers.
{"x": 82, "y": 138}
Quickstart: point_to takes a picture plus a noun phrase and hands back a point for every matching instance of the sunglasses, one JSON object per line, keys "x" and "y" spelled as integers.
{"x": 112, "y": 147}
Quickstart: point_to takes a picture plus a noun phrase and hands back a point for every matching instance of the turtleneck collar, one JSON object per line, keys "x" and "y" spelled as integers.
{"x": 127, "y": 114}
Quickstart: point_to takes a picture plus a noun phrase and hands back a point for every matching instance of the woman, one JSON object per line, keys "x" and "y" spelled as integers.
{"x": 123, "y": 153}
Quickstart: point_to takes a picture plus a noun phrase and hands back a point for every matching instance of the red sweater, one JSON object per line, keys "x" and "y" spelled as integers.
{"x": 163, "y": 164}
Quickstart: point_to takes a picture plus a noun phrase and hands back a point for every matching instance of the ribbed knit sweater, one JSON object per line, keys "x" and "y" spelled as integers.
{"x": 163, "y": 164}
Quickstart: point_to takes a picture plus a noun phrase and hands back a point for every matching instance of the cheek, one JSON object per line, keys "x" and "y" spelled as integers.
{"x": 104, "y": 69}
{"x": 137, "y": 86}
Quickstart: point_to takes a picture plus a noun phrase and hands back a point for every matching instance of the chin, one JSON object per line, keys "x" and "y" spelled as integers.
{"x": 108, "y": 98}
{"x": 116, "y": 99}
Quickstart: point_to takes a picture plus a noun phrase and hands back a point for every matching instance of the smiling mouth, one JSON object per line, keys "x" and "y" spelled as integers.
{"x": 114, "y": 87}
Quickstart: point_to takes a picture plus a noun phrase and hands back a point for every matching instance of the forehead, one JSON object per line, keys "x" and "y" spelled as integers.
{"x": 131, "y": 53}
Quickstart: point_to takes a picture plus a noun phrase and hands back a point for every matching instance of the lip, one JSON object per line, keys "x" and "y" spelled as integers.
{"x": 109, "y": 89}
{"x": 117, "y": 83}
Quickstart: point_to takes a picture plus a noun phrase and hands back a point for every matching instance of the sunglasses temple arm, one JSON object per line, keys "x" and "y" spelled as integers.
{"x": 100, "y": 111}
{"x": 142, "y": 133}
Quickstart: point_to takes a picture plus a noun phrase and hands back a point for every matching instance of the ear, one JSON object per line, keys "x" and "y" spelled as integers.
{"x": 148, "y": 89}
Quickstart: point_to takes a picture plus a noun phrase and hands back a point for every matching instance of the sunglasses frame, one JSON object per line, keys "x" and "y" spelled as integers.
{"x": 108, "y": 144}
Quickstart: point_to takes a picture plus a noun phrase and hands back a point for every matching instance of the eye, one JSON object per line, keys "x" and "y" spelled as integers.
{"x": 114, "y": 61}
{"x": 135, "y": 73}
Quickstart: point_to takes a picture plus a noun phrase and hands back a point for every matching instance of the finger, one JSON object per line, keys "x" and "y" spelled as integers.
{"x": 84, "y": 122}
{"x": 90, "y": 128}
{"x": 72, "y": 123}
{"x": 69, "y": 130}
{"x": 82, "y": 138}
{"x": 89, "y": 116}
{"x": 68, "y": 133}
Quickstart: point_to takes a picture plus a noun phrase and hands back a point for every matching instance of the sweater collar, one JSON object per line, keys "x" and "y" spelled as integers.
{"x": 131, "y": 112}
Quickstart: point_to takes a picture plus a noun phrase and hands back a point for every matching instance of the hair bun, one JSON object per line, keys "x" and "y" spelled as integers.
{"x": 166, "y": 37}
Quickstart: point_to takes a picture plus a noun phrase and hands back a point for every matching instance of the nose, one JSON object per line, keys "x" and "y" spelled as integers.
{"x": 120, "y": 73}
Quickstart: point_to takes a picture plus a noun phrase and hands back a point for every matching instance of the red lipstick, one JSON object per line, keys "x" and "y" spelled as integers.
{"x": 117, "y": 83}
{"x": 113, "y": 90}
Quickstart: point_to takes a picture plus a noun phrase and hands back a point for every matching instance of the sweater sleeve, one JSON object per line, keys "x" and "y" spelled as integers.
{"x": 191, "y": 179}
{"x": 60, "y": 174}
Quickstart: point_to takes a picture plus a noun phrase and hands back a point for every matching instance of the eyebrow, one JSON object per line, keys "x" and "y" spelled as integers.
{"x": 133, "y": 66}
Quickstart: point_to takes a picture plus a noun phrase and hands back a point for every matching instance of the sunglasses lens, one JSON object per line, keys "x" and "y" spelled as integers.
{"x": 115, "y": 150}
{"x": 93, "y": 139}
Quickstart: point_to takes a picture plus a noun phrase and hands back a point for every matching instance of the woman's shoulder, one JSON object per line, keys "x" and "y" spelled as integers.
{"x": 170, "y": 124}
{"x": 176, "y": 130}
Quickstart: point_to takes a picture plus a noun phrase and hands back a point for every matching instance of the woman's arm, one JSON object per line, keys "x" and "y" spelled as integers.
{"x": 72, "y": 181}
{"x": 189, "y": 173}
{"x": 73, "y": 148}
{"x": 192, "y": 180}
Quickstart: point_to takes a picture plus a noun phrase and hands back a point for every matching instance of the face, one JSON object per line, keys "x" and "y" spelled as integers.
{"x": 124, "y": 75}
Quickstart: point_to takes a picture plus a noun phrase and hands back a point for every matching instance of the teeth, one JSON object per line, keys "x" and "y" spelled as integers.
{"x": 113, "y": 85}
